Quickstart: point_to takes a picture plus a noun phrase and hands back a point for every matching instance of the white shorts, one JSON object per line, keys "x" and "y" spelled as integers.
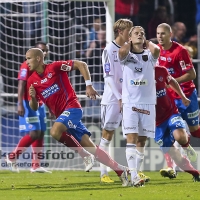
{"x": 110, "y": 117}
{"x": 139, "y": 118}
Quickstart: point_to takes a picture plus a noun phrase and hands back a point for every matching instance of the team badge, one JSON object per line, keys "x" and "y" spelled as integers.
{"x": 144, "y": 57}
{"x": 107, "y": 67}
{"x": 169, "y": 59}
{"x": 65, "y": 67}
{"x": 160, "y": 79}
{"x": 49, "y": 75}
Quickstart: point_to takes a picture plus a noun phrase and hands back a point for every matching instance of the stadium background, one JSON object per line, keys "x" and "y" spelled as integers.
{"x": 66, "y": 26}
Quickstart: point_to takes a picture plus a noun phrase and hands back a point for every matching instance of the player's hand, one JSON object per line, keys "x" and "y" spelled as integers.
{"x": 32, "y": 91}
{"x": 186, "y": 101}
{"x": 21, "y": 110}
{"x": 91, "y": 92}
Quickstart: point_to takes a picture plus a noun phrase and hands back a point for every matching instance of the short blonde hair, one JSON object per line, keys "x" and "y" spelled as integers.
{"x": 121, "y": 24}
{"x": 131, "y": 30}
{"x": 165, "y": 26}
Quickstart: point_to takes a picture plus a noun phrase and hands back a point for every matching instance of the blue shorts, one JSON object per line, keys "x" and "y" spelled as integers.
{"x": 71, "y": 118}
{"x": 32, "y": 120}
{"x": 191, "y": 113}
{"x": 164, "y": 132}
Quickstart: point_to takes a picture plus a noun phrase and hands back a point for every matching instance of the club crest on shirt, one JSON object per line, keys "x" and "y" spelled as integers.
{"x": 49, "y": 75}
{"x": 65, "y": 67}
{"x": 160, "y": 79}
{"x": 145, "y": 57}
{"x": 107, "y": 67}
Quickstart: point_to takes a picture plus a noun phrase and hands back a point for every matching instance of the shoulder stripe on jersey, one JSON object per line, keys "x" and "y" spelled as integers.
{"x": 115, "y": 44}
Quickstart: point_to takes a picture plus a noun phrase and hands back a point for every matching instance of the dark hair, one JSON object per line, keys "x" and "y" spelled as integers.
{"x": 40, "y": 42}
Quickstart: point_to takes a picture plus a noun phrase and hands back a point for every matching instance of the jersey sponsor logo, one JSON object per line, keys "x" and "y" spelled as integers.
{"x": 50, "y": 90}
{"x": 66, "y": 113}
{"x": 162, "y": 58}
{"x": 138, "y": 82}
{"x": 23, "y": 73}
{"x": 145, "y": 57}
{"x": 138, "y": 69}
{"x": 107, "y": 67}
{"x": 161, "y": 93}
{"x": 146, "y": 112}
{"x": 44, "y": 81}
{"x": 160, "y": 142}
{"x": 193, "y": 114}
{"x": 176, "y": 119}
{"x": 182, "y": 64}
{"x": 171, "y": 70}
{"x": 65, "y": 67}
{"x": 169, "y": 59}
{"x": 22, "y": 127}
{"x": 30, "y": 120}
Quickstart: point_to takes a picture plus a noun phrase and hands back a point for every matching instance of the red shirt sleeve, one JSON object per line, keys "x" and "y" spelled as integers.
{"x": 185, "y": 60}
{"x": 23, "y": 72}
{"x": 65, "y": 66}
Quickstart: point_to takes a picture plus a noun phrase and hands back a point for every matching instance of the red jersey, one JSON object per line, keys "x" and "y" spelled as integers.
{"x": 54, "y": 88}
{"x": 24, "y": 74}
{"x": 165, "y": 106}
{"x": 178, "y": 62}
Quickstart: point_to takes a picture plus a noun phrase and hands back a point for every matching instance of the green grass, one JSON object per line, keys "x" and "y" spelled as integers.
{"x": 68, "y": 185}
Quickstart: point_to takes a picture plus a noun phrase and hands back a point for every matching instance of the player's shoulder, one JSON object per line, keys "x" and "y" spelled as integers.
{"x": 112, "y": 46}
{"x": 161, "y": 69}
{"x": 178, "y": 46}
{"x": 24, "y": 66}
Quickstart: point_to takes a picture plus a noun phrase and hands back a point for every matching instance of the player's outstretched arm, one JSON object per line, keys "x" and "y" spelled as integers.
{"x": 33, "y": 101}
{"x": 175, "y": 86}
{"x": 83, "y": 68}
{"x": 21, "y": 88}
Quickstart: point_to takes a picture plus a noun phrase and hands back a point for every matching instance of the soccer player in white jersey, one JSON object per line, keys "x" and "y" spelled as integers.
{"x": 111, "y": 100}
{"x": 138, "y": 97}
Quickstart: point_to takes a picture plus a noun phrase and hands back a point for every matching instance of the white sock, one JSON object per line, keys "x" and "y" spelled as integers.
{"x": 104, "y": 144}
{"x": 131, "y": 159}
{"x": 140, "y": 159}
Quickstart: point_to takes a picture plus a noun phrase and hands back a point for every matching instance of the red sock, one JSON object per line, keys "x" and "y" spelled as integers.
{"x": 25, "y": 142}
{"x": 71, "y": 142}
{"x": 196, "y": 133}
{"x": 168, "y": 160}
{"x": 187, "y": 144}
{"x": 104, "y": 158}
{"x": 37, "y": 147}
{"x": 187, "y": 167}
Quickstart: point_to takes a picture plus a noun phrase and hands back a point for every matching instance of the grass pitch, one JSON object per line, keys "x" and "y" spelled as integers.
{"x": 78, "y": 185}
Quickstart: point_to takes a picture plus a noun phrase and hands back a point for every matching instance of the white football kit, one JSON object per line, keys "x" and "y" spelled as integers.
{"x": 139, "y": 94}
{"x": 110, "y": 108}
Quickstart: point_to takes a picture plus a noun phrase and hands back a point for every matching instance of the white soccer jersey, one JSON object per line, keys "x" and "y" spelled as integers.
{"x": 139, "y": 86}
{"x": 111, "y": 67}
